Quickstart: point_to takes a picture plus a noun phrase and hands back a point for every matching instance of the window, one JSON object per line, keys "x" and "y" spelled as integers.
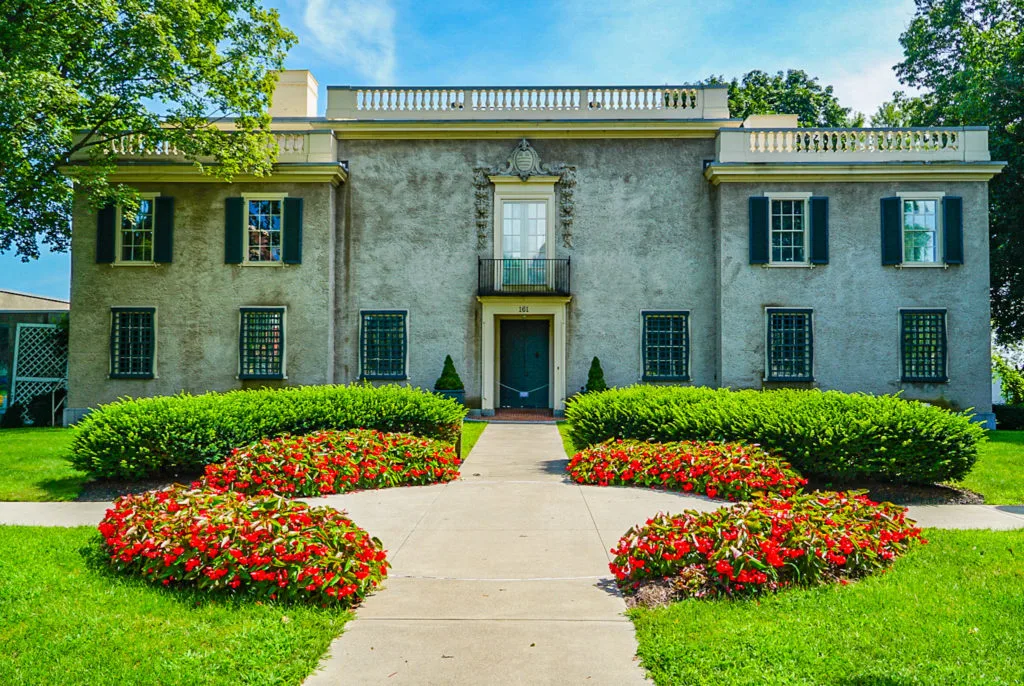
{"x": 5, "y": 371}
{"x": 135, "y": 238}
{"x": 920, "y": 230}
{"x": 666, "y": 346}
{"x": 524, "y": 242}
{"x": 790, "y": 349}
{"x": 923, "y": 345}
{"x": 132, "y": 342}
{"x": 789, "y": 230}
{"x": 383, "y": 345}
{"x": 261, "y": 343}
{"x": 263, "y": 230}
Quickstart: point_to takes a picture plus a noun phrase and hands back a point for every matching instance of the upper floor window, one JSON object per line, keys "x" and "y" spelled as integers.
{"x": 132, "y": 342}
{"x": 666, "y": 346}
{"x": 923, "y": 345}
{"x": 790, "y": 345}
{"x": 920, "y": 230}
{"x": 263, "y": 234}
{"x": 383, "y": 344}
{"x": 789, "y": 230}
{"x": 135, "y": 237}
{"x": 261, "y": 343}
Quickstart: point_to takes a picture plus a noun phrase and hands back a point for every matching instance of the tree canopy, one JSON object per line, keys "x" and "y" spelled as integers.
{"x": 968, "y": 58}
{"x": 75, "y": 76}
{"x": 790, "y": 92}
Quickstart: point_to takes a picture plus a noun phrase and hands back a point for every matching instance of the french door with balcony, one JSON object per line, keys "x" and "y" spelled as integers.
{"x": 524, "y": 243}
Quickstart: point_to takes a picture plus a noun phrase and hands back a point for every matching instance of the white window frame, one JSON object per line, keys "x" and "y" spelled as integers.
{"x": 246, "y": 197}
{"x": 284, "y": 347}
{"x": 408, "y": 341}
{"x": 791, "y": 195}
{"x": 534, "y": 189}
{"x": 119, "y": 236}
{"x": 899, "y": 343}
{"x": 156, "y": 342}
{"x": 937, "y": 196}
{"x": 768, "y": 348}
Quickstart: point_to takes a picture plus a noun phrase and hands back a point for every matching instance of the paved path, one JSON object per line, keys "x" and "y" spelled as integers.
{"x": 501, "y": 576}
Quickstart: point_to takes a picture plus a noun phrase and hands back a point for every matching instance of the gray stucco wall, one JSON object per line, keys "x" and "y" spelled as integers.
{"x": 643, "y": 239}
{"x": 856, "y": 300}
{"x": 197, "y": 298}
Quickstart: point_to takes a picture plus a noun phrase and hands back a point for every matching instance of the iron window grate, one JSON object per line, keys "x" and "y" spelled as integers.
{"x": 132, "y": 342}
{"x": 666, "y": 346}
{"x": 261, "y": 343}
{"x": 383, "y": 345}
{"x": 923, "y": 345}
{"x": 790, "y": 346}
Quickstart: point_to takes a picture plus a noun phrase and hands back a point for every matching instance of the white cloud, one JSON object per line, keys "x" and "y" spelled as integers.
{"x": 866, "y": 88}
{"x": 356, "y": 33}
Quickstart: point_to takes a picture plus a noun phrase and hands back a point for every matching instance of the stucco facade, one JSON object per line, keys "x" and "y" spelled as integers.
{"x": 646, "y": 211}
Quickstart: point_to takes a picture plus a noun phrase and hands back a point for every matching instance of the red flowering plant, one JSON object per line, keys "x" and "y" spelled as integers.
{"x": 764, "y": 545}
{"x": 731, "y": 471}
{"x": 264, "y": 547}
{"x": 327, "y": 462}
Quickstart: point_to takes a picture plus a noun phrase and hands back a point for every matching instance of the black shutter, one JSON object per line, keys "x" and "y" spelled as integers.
{"x": 892, "y": 231}
{"x": 234, "y": 234}
{"x": 819, "y": 230}
{"x": 758, "y": 230}
{"x": 953, "y": 229}
{"x": 163, "y": 238}
{"x": 292, "y": 239}
{"x": 106, "y": 240}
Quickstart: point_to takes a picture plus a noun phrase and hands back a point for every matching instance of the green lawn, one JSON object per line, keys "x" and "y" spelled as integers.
{"x": 563, "y": 429}
{"x": 31, "y": 466}
{"x": 948, "y": 613}
{"x": 66, "y": 621}
{"x": 470, "y": 435}
{"x": 999, "y": 473}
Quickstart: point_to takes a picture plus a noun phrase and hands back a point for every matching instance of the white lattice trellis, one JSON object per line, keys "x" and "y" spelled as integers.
{"x": 40, "y": 363}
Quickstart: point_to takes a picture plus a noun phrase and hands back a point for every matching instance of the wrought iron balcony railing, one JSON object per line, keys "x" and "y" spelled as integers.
{"x": 524, "y": 277}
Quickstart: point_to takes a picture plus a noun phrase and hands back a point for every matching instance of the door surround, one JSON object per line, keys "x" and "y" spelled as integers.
{"x": 495, "y": 308}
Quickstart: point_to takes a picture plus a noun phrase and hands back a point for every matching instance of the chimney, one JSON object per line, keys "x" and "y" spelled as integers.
{"x": 295, "y": 95}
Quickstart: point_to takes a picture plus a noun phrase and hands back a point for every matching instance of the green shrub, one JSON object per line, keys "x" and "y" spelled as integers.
{"x": 1009, "y": 417}
{"x": 1011, "y": 380}
{"x": 826, "y": 434}
{"x": 184, "y": 433}
{"x": 595, "y": 377}
{"x": 449, "y": 379}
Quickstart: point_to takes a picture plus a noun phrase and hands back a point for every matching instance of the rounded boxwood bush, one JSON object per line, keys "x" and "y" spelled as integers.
{"x": 828, "y": 434}
{"x": 326, "y": 462}
{"x": 764, "y": 545}
{"x": 184, "y": 433}
{"x": 731, "y": 471}
{"x": 265, "y": 548}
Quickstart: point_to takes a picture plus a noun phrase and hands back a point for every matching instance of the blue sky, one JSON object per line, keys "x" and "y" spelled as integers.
{"x": 851, "y": 45}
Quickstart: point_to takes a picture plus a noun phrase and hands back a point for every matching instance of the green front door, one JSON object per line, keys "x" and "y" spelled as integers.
{"x": 524, "y": 363}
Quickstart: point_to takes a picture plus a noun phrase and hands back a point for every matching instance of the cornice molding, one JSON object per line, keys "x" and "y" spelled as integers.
{"x": 860, "y": 172}
{"x": 467, "y": 130}
{"x": 333, "y": 173}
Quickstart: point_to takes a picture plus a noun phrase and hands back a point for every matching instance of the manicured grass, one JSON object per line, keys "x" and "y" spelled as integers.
{"x": 470, "y": 435}
{"x": 563, "y": 429}
{"x": 64, "y": 620}
{"x": 32, "y": 466}
{"x": 947, "y": 613}
{"x": 999, "y": 472}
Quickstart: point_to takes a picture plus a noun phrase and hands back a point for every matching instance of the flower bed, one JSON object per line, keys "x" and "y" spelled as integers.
{"x": 264, "y": 547}
{"x": 333, "y": 462}
{"x": 732, "y": 471}
{"x": 764, "y": 545}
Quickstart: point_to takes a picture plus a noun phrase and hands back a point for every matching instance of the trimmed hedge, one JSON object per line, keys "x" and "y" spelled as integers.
{"x": 1009, "y": 417}
{"x": 826, "y": 434}
{"x": 184, "y": 433}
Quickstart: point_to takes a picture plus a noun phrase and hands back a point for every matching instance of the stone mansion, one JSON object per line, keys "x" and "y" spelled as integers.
{"x": 524, "y": 231}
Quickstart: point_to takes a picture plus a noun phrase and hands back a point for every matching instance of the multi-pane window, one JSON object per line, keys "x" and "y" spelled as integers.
{"x": 923, "y": 345}
{"x": 383, "y": 345}
{"x": 790, "y": 345}
{"x": 524, "y": 242}
{"x": 261, "y": 343}
{"x": 920, "y": 231}
{"x": 263, "y": 230}
{"x": 666, "y": 346}
{"x": 136, "y": 237}
{"x": 788, "y": 228}
{"x": 132, "y": 342}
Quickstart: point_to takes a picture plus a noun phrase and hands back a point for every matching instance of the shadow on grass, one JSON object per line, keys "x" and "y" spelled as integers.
{"x": 66, "y": 488}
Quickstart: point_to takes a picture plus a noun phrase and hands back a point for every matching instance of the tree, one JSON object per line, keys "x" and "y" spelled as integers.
{"x": 790, "y": 92}
{"x": 75, "y": 76}
{"x": 903, "y": 111}
{"x": 968, "y": 55}
{"x": 595, "y": 377}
